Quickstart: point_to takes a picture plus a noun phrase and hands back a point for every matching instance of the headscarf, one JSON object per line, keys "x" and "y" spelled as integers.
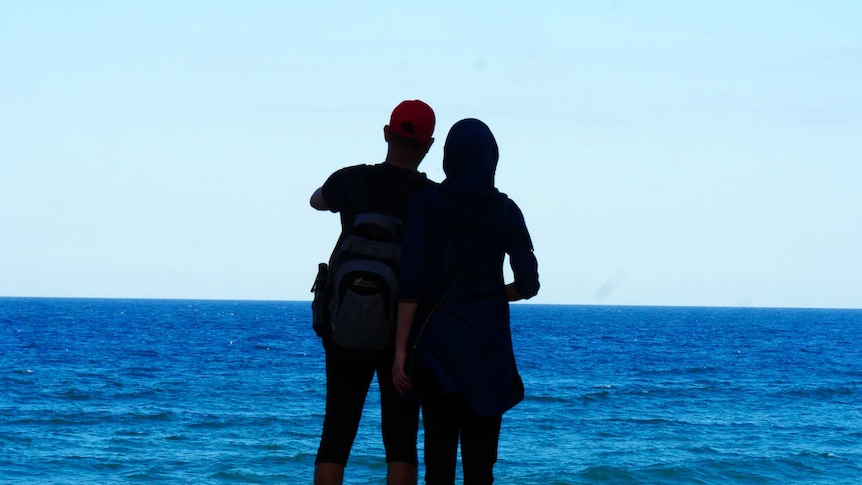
{"x": 469, "y": 162}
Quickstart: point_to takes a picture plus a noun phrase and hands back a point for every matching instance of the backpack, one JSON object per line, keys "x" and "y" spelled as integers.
{"x": 355, "y": 294}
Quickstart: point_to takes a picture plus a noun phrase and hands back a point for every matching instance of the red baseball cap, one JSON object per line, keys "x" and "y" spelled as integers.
{"x": 414, "y": 120}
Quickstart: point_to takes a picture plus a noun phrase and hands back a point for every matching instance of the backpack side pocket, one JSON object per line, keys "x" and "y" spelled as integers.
{"x": 320, "y": 304}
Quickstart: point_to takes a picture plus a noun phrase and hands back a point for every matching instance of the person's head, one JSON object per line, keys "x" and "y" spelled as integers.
{"x": 409, "y": 133}
{"x": 470, "y": 158}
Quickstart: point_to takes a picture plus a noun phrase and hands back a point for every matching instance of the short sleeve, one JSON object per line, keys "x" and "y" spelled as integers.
{"x": 335, "y": 191}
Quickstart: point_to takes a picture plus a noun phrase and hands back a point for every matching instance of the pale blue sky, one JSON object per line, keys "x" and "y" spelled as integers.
{"x": 664, "y": 153}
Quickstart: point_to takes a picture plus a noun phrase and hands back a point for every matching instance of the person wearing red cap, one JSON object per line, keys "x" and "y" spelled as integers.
{"x": 383, "y": 187}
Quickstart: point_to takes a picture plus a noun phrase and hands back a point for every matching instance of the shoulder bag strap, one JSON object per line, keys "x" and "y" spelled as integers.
{"x": 451, "y": 287}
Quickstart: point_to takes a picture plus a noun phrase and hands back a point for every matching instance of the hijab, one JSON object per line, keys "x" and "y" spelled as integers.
{"x": 470, "y": 158}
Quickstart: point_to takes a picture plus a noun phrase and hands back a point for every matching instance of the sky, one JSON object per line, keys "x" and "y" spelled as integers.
{"x": 663, "y": 153}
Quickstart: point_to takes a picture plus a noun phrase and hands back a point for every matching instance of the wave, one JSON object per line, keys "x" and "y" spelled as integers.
{"x": 544, "y": 398}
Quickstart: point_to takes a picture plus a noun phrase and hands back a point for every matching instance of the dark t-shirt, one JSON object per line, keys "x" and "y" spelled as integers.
{"x": 382, "y": 188}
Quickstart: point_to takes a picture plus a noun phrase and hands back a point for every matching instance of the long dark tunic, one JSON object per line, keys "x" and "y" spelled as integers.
{"x": 456, "y": 238}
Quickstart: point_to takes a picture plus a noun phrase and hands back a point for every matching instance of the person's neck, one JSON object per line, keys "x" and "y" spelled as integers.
{"x": 402, "y": 160}
{"x": 403, "y": 157}
{"x": 401, "y": 164}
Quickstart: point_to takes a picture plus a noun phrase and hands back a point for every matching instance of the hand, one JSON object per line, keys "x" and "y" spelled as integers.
{"x": 512, "y": 293}
{"x": 399, "y": 377}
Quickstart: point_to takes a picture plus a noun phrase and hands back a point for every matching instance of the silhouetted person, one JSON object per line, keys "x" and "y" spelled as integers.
{"x": 384, "y": 187}
{"x": 454, "y": 304}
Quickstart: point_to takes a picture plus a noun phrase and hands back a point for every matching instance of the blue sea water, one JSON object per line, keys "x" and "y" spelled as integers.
{"x": 223, "y": 392}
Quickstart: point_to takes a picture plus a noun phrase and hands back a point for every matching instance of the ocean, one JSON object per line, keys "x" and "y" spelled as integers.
{"x": 111, "y": 391}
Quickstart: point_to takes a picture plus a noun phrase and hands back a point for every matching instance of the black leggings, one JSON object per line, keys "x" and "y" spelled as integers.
{"x": 347, "y": 381}
{"x": 446, "y": 419}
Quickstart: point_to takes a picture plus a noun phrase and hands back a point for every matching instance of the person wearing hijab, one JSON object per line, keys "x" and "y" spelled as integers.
{"x": 454, "y": 307}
